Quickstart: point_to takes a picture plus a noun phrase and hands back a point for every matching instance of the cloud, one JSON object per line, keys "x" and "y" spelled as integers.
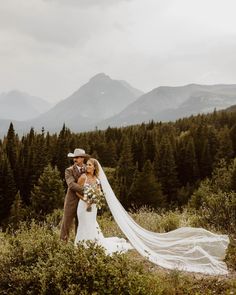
{"x": 45, "y": 23}
{"x": 51, "y": 47}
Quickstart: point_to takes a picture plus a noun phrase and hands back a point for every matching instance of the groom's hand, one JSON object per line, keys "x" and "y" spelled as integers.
{"x": 71, "y": 183}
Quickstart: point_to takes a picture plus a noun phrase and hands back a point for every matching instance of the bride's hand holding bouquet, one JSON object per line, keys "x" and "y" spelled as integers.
{"x": 93, "y": 195}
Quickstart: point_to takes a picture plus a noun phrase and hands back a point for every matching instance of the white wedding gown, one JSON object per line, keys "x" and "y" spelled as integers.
{"x": 89, "y": 230}
{"x": 187, "y": 248}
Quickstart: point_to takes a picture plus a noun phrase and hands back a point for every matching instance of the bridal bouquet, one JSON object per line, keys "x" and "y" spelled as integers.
{"x": 94, "y": 195}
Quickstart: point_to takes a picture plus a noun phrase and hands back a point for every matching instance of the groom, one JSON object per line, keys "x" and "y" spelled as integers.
{"x": 71, "y": 200}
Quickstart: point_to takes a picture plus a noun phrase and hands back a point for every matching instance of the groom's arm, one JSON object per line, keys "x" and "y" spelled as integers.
{"x": 71, "y": 182}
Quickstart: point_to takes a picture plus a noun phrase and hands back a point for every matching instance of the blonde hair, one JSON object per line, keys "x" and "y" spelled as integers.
{"x": 95, "y": 164}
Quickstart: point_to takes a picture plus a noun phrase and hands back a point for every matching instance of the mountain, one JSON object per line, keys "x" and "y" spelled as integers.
{"x": 104, "y": 102}
{"x": 171, "y": 103}
{"x": 231, "y": 109}
{"x": 16, "y": 105}
{"x": 135, "y": 91}
{"x": 100, "y": 98}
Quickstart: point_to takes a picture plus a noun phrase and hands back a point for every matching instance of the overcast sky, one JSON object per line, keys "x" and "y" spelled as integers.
{"x": 49, "y": 48}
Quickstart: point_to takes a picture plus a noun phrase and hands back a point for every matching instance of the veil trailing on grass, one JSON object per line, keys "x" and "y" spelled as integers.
{"x": 187, "y": 248}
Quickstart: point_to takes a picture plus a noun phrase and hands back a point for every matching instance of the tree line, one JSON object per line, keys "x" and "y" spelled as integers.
{"x": 155, "y": 164}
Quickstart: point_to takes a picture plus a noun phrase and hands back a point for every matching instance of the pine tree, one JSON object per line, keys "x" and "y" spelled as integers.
{"x": 222, "y": 176}
{"x": 95, "y": 155}
{"x": 17, "y": 212}
{"x": 192, "y": 171}
{"x": 206, "y": 161}
{"x": 150, "y": 147}
{"x": 225, "y": 149}
{"x": 48, "y": 194}
{"x": 130, "y": 191}
{"x": 187, "y": 163}
{"x": 27, "y": 163}
{"x": 109, "y": 156}
{"x": 233, "y": 137}
{"x": 8, "y": 188}
{"x": 41, "y": 154}
{"x": 125, "y": 171}
{"x": 138, "y": 151}
{"x": 166, "y": 169}
{"x": 213, "y": 141}
{"x": 11, "y": 150}
{"x": 146, "y": 190}
{"x": 61, "y": 151}
{"x": 199, "y": 134}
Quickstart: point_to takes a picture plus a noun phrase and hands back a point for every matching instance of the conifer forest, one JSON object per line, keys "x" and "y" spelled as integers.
{"x": 166, "y": 175}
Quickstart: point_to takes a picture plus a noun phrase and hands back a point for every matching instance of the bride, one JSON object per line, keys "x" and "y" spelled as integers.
{"x": 186, "y": 248}
{"x": 88, "y": 228}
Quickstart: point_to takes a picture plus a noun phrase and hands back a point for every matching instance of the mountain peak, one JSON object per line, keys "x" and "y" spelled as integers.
{"x": 17, "y": 94}
{"x": 100, "y": 77}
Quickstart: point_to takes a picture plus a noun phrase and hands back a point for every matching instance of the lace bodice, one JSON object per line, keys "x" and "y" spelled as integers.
{"x": 87, "y": 184}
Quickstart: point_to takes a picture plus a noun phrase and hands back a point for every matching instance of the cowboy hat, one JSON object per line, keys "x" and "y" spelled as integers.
{"x": 78, "y": 153}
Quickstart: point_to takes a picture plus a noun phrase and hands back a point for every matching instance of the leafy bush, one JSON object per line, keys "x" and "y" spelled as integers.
{"x": 170, "y": 221}
{"x": 54, "y": 219}
{"x": 217, "y": 209}
{"x": 215, "y": 201}
{"x": 231, "y": 254}
{"x": 35, "y": 261}
{"x": 163, "y": 221}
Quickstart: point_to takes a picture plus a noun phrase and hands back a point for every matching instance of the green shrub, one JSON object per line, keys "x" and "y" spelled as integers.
{"x": 215, "y": 200}
{"x": 35, "y": 261}
{"x": 148, "y": 218}
{"x": 215, "y": 209}
{"x": 54, "y": 219}
{"x": 170, "y": 221}
{"x": 157, "y": 221}
{"x": 231, "y": 254}
{"x": 219, "y": 210}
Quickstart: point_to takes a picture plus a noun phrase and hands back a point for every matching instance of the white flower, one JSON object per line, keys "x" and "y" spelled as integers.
{"x": 94, "y": 194}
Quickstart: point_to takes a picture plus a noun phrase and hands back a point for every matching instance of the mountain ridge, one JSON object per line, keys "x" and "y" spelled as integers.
{"x": 21, "y": 106}
{"x": 100, "y": 98}
{"x": 172, "y": 102}
{"x": 103, "y": 102}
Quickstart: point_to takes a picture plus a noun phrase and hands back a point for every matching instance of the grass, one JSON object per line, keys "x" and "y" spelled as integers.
{"x": 35, "y": 254}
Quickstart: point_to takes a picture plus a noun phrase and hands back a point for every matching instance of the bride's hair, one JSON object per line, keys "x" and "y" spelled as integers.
{"x": 95, "y": 164}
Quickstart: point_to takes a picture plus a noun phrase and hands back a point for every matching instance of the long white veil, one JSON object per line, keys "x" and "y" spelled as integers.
{"x": 187, "y": 248}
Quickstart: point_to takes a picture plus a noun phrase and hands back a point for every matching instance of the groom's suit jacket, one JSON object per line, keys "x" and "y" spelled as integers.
{"x": 72, "y": 175}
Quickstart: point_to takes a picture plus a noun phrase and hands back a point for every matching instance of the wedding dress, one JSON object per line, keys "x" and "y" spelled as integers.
{"x": 187, "y": 248}
{"x": 89, "y": 229}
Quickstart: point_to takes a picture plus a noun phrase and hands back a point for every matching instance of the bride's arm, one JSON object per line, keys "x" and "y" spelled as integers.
{"x": 81, "y": 182}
